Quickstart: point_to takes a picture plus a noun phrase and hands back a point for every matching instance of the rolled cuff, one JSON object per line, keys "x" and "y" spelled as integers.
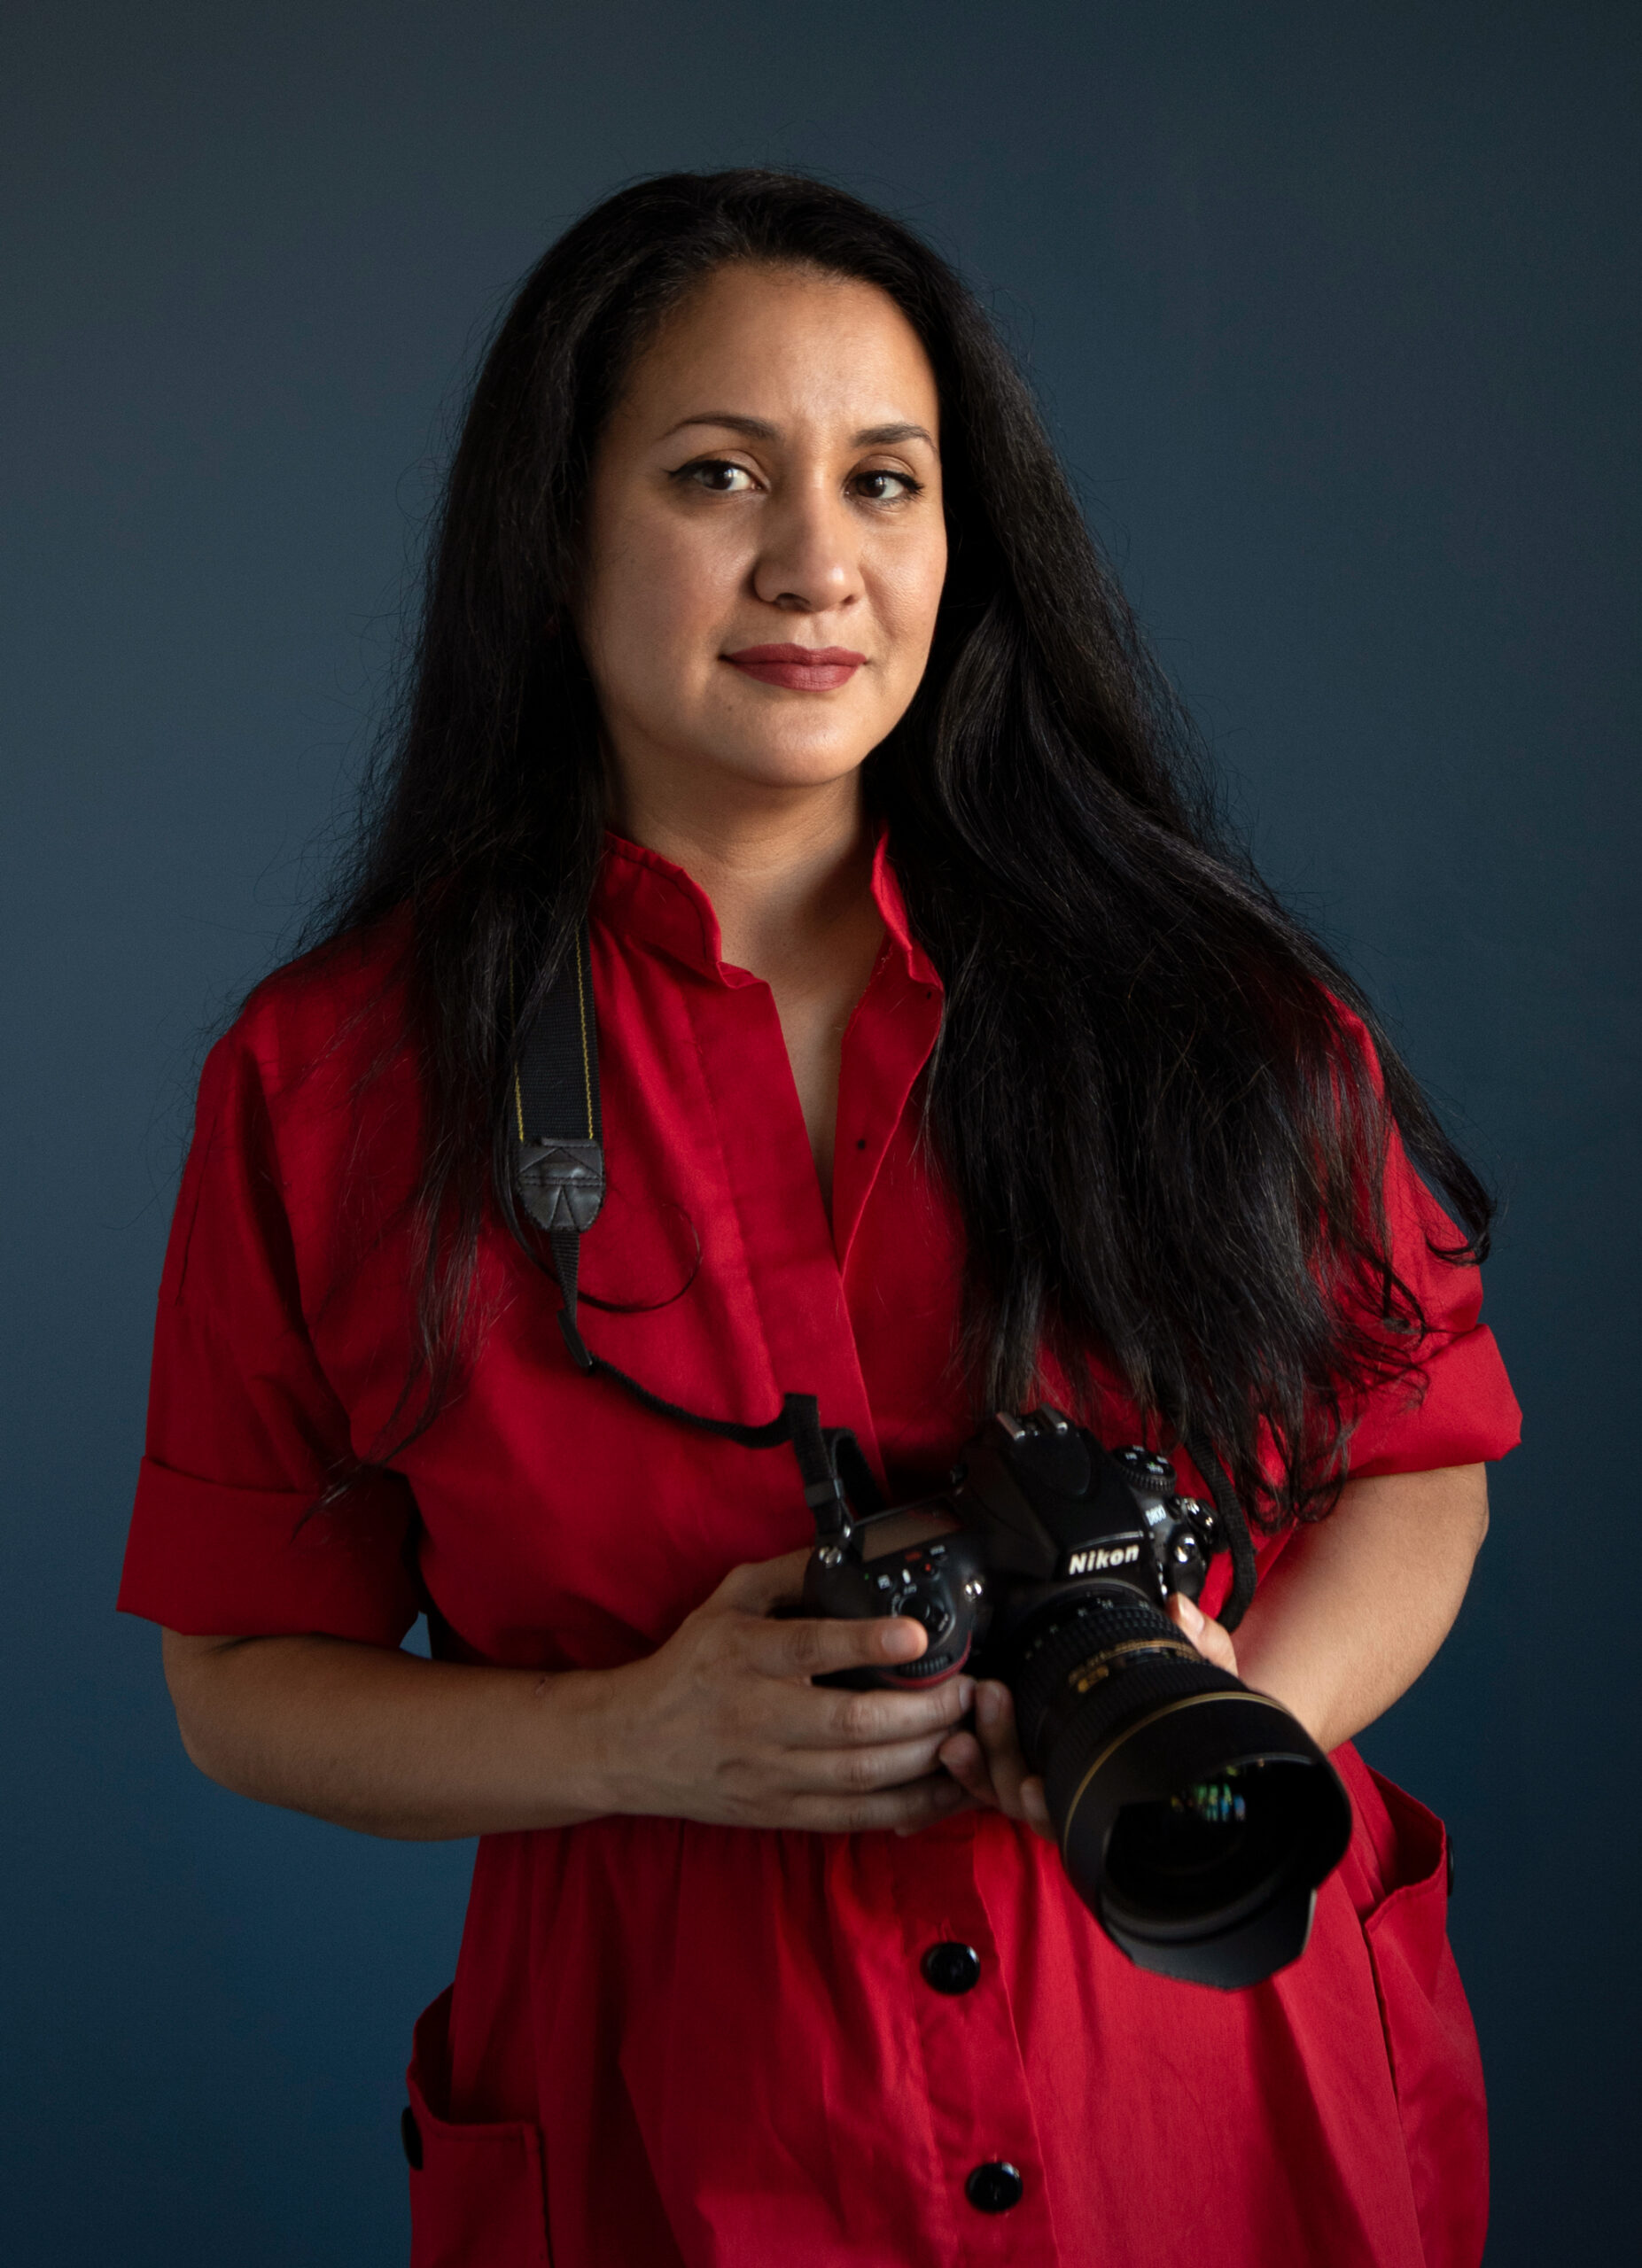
{"x": 216, "y": 1561}
{"x": 1460, "y": 1410}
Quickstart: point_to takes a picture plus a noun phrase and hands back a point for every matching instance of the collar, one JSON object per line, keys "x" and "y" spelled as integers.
{"x": 642, "y": 896}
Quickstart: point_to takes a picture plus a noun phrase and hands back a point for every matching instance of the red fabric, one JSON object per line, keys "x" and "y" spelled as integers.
{"x": 676, "y": 2044}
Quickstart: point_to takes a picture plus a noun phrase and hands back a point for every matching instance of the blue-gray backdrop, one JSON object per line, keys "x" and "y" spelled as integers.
{"x": 1333, "y": 310}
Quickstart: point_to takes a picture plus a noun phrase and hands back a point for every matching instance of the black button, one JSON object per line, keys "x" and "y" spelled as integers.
{"x": 952, "y": 1968}
{"x": 410, "y": 2135}
{"x": 993, "y": 2187}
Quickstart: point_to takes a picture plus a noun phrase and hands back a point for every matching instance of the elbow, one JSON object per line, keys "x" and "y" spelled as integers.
{"x": 194, "y": 1679}
{"x": 201, "y": 1739}
{"x": 197, "y": 1744}
{"x": 1479, "y": 1512}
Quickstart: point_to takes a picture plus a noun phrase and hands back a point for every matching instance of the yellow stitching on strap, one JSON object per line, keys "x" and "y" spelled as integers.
{"x": 518, "y": 1091}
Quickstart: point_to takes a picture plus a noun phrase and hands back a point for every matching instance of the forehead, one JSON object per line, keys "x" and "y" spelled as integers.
{"x": 790, "y": 346}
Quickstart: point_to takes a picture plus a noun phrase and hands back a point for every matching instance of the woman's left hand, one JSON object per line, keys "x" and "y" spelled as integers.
{"x": 1211, "y": 1639}
{"x": 987, "y": 1763}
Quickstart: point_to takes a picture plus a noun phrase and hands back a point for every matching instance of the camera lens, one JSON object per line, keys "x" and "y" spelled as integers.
{"x": 1172, "y": 1851}
{"x": 1196, "y": 1819}
{"x": 1203, "y": 1853}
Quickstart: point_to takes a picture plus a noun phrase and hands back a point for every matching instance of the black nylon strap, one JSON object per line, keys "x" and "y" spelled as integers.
{"x": 559, "y": 1125}
{"x": 560, "y": 1176}
{"x": 825, "y": 1454}
{"x": 557, "y": 1091}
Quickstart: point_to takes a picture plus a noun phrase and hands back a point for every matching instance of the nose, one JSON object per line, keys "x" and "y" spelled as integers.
{"x": 809, "y": 561}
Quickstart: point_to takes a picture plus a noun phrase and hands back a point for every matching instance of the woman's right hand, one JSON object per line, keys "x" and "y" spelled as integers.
{"x": 722, "y": 1723}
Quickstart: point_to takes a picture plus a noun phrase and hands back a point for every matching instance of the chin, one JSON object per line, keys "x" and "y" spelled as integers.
{"x": 796, "y": 763}
{"x": 804, "y": 769}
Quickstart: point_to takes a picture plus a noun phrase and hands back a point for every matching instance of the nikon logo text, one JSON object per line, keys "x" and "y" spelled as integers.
{"x": 1090, "y": 1563}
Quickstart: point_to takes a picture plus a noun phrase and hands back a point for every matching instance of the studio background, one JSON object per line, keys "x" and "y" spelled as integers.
{"x": 1332, "y": 311}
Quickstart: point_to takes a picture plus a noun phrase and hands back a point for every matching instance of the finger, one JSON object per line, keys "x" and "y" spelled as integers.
{"x": 1211, "y": 1639}
{"x": 848, "y": 1770}
{"x": 1035, "y": 1808}
{"x": 792, "y": 1715}
{"x": 994, "y": 1726}
{"x": 762, "y": 1585}
{"x": 917, "y": 1805}
{"x": 811, "y": 1646}
{"x": 965, "y": 1759}
{"x": 824, "y": 1718}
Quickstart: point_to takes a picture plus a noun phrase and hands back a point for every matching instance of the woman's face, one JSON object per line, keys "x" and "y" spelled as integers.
{"x": 765, "y": 544}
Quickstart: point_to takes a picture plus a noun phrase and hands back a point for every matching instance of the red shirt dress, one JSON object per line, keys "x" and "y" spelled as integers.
{"x": 672, "y": 2046}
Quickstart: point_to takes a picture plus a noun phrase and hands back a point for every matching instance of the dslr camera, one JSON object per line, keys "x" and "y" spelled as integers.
{"x": 1195, "y": 1818}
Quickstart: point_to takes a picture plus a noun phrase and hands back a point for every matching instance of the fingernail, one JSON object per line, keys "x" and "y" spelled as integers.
{"x": 966, "y": 1696}
{"x": 902, "y": 1640}
{"x": 988, "y": 1704}
{"x": 1191, "y": 1614}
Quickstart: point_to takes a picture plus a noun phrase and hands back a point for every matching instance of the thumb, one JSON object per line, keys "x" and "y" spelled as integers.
{"x": 1211, "y": 1640}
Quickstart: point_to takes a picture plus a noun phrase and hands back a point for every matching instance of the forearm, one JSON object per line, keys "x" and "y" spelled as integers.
{"x": 388, "y": 1743}
{"x": 1355, "y": 1607}
{"x": 726, "y": 1722}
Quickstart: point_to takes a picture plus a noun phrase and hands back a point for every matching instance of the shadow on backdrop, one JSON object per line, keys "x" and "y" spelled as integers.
{"x": 1333, "y": 316}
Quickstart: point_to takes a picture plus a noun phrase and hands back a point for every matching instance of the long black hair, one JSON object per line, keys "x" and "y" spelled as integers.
{"x": 1165, "y": 1138}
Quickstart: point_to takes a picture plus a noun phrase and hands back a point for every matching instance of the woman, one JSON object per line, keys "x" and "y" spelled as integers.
{"x": 948, "y": 1060}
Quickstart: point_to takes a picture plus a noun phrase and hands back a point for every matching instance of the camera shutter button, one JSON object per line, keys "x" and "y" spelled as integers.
{"x": 951, "y": 1968}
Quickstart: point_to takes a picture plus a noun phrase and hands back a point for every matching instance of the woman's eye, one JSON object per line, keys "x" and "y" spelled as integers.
{"x": 717, "y": 475}
{"x": 887, "y": 488}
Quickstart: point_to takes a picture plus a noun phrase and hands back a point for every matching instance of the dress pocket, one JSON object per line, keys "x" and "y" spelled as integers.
{"x": 1435, "y": 2067}
{"x": 477, "y": 2197}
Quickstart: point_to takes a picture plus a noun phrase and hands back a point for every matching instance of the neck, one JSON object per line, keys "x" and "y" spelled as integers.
{"x": 784, "y": 867}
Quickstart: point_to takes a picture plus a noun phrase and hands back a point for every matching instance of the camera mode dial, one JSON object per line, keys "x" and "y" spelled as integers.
{"x": 1147, "y": 1471}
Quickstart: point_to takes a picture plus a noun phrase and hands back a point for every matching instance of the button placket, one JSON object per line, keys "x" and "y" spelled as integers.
{"x": 983, "y": 2127}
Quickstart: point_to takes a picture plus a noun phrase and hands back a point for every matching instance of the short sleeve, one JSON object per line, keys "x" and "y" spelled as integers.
{"x": 1458, "y": 1407}
{"x": 234, "y": 1532}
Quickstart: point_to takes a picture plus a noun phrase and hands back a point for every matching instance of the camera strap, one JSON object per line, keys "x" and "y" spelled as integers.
{"x": 559, "y": 1182}
{"x": 1234, "y": 1524}
{"x": 559, "y": 1177}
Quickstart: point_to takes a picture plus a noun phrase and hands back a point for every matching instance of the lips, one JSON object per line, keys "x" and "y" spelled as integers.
{"x": 801, "y": 669}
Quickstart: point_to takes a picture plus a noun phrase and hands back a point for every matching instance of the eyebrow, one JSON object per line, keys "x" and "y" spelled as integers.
{"x": 759, "y": 429}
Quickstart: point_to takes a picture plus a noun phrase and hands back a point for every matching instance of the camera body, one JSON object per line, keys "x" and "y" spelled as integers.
{"x": 1197, "y": 1818}
{"x": 1036, "y": 1512}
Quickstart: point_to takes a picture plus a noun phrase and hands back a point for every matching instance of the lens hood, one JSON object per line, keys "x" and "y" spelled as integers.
{"x": 1198, "y": 1827}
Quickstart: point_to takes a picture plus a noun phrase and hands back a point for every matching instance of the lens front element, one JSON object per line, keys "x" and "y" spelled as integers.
{"x": 1195, "y": 1852}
